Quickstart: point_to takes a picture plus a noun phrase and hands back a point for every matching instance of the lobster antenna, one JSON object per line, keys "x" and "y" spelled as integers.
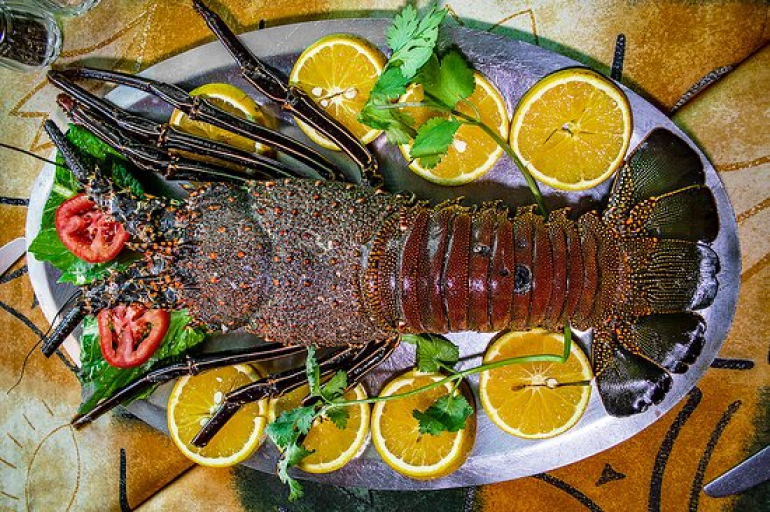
{"x": 64, "y": 306}
{"x": 30, "y": 153}
{"x": 67, "y": 150}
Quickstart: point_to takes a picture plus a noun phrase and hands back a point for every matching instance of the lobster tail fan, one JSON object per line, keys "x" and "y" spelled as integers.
{"x": 660, "y": 164}
{"x": 686, "y": 214}
{"x": 668, "y": 276}
{"x": 672, "y": 341}
{"x": 628, "y": 383}
{"x": 662, "y": 215}
{"x": 633, "y": 359}
{"x": 660, "y": 192}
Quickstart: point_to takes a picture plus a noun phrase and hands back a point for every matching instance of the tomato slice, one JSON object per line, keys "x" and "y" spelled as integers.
{"x": 88, "y": 232}
{"x": 130, "y": 334}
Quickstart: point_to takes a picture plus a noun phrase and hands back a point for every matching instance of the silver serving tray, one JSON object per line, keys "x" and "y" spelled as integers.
{"x": 513, "y": 66}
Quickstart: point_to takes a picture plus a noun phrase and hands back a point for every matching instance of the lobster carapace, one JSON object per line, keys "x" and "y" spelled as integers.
{"x": 303, "y": 261}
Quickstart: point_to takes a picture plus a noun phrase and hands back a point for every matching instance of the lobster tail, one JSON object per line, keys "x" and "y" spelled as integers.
{"x": 661, "y": 214}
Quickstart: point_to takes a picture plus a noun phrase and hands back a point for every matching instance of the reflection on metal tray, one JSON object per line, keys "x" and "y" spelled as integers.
{"x": 513, "y": 66}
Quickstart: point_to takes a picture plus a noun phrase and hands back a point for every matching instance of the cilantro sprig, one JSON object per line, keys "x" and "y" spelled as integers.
{"x": 433, "y": 353}
{"x": 288, "y": 431}
{"x": 447, "y": 81}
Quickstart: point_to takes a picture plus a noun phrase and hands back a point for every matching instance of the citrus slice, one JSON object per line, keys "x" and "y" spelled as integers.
{"x": 396, "y": 433}
{"x": 332, "y": 447}
{"x": 192, "y": 402}
{"x": 338, "y": 72}
{"x": 539, "y": 399}
{"x": 572, "y": 129}
{"x": 230, "y": 99}
{"x": 473, "y": 152}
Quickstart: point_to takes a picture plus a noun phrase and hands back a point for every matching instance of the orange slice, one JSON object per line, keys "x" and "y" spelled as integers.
{"x": 332, "y": 447}
{"x": 233, "y": 100}
{"x": 539, "y": 399}
{"x": 472, "y": 153}
{"x": 572, "y": 129}
{"x": 338, "y": 72}
{"x": 396, "y": 433}
{"x": 194, "y": 400}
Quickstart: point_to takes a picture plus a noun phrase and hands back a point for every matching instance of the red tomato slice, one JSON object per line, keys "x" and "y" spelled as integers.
{"x": 130, "y": 334}
{"x": 88, "y": 232}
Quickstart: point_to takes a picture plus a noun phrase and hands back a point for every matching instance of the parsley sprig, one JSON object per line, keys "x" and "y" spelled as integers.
{"x": 447, "y": 81}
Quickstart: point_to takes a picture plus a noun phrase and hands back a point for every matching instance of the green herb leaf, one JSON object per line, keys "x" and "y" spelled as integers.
{"x": 285, "y": 432}
{"x": 395, "y": 124}
{"x": 391, "y": 84}
{"x": 101, "y": 380}
{"x": 450, "y": 81}
{"x": 313, "y": 372}
{"x": 433, "y": 351}
{"x": 296, "y": 491}
{"x": 286, "y": 429}
{"x": 404, "y": 28}
{"x": 293, "y": 454}
{"x": 334, "y": 387}
{"x": 447, "y": 414}
{"x": 433, "y": 140}
{"x": 339, "y": 416}
{"x": 413, "y": 41}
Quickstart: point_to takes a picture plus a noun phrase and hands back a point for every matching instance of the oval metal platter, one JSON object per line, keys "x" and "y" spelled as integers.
{"x": 513, "y": 66}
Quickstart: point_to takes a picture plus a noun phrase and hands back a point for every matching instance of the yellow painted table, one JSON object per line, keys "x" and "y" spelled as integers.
{"x": 673, "y": 46}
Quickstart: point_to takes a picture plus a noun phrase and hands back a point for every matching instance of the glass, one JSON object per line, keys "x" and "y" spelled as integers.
{"x": 30, "y": 38}
{"x": 67, "y": 7}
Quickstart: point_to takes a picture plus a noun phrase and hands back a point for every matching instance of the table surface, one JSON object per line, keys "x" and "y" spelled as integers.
{"x": 707, "y": 65}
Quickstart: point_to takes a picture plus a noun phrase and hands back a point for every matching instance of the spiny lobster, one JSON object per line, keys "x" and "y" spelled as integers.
{"x": 302, "y": 261}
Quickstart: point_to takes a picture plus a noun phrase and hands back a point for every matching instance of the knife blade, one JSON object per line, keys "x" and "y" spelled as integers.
{"x": 11, "y": 252}
{"x": 752, "y": 471}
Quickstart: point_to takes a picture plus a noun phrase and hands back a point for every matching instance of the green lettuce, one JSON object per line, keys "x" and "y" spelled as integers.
{"x": 47, "y": 246}
{"x": 100, "y": 380}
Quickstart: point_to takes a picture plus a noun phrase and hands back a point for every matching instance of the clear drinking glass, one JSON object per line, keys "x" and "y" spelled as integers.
{"x": 67, "y": 7}
{"x": 30, "y": 38}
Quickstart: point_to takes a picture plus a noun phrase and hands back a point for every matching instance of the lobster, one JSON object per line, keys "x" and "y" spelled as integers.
{"x": 270, "y": 249}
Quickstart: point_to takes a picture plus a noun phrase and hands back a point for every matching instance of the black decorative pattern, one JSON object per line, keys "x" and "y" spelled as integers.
{"x": 732, "y": 364}
{"x": 609, "y": 475}
{"x": 572, "y": 491}
{"x": 656, "y": 484}
{"x": 14, "y": 201}
{"x": 19, "y": 316}
{"x": 618, "y": 58}
{"x": 10, "y": 276}
{"x": 697, "y": 483}
{"x": 123, "y": 482}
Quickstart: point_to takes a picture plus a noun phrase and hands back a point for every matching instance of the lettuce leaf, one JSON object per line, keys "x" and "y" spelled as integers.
{"x": 47, "y": 246}
{"x": 100, "y": 380}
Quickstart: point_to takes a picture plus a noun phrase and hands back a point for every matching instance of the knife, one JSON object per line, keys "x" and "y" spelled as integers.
{"x": 752, "y": 471}
{"x": 11, "y": 252}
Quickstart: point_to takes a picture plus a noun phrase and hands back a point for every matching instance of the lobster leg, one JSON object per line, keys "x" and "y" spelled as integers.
{"x": 291, "y": 97}
{"x": 190, "y": 366}
{"x": 122, "y": 127}
{"x": 200, "y": 109}
{"x": 149, "y": 157}
{"x": 64, "y": 328}
{"x": 375, "y": 354}
{"x": 358, "y": 360}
